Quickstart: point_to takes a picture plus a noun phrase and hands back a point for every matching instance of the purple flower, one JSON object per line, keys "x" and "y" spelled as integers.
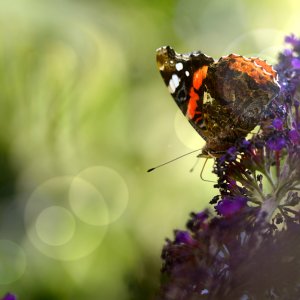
{"x": 230, "y": 206}
{"x": 294, "y": 41}
{"x": 201, "y": 216}
{"x": 294, "y": 136}
{"x": 287, "y": 52}
{"x": 291, "y": 39}
{"x": 276, "y": 143}
{"x": 183, "y": 237}
{"x": 296, "y": 63}
{"x": 245, "y": 144}
{"x": 9, "y": 296}
{"x": 277, "y": 124}
{"x": 231, "y": 151}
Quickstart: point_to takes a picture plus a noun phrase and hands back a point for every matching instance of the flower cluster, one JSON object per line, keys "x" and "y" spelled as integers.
{"x": 251, "y": 250}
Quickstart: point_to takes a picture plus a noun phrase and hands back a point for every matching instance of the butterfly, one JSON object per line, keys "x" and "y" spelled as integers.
{"x": 223, "y": 100}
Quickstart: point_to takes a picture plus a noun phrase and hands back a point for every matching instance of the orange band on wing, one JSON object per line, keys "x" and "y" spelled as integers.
{"x": 192, "y": 105}
{"x": 199, "y": 76}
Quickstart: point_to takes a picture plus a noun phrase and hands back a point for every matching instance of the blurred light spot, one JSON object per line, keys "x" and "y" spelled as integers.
{"x": 49, "y": 203}
{"x": 56, "y": 53}
{"x": 199, "y": 25}
{"x": 186, "y": 134}
{"x": 271, "y": 54}
{"x": 12, "y": 263}
{"x": 87, "y": 202}
{"x": 108, "y": 185}
{"x": 55, "y": 225}
{"x": 257, "y": 41}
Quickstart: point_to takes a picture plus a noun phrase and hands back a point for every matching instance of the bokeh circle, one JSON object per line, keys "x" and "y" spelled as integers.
{"x": 78, "y": 239}
{"x": 55, "y": 225}
{"x": 264, "y": 43}
{"x": 185, "y": 132}
{"x": 66, "y": 217}
{"x": 13, "y": 262}
{"x": 106, "y": 195}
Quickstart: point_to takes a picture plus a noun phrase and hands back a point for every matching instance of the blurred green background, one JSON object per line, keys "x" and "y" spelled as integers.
{"x": 84, "y": 113}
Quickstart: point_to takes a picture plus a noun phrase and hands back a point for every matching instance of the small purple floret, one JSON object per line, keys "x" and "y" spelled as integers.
{"x": 201, "y": 216}
{"x": 294, "y": 136}
{"x": 277, "y": 124}
{"x": 229, "y": 206}
{"x": 245, "y": 144}
{"x": 296, "y": 63}
{"x": 276, "y": 144}
{"x": 293, "y": 40}
{"x": 287, "y": 52}
{"x": 183, "y": 237}
{"x": 232, "y": 151}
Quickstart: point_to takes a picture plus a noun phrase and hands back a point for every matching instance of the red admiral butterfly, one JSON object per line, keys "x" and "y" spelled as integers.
{"x": 223, "y": 100}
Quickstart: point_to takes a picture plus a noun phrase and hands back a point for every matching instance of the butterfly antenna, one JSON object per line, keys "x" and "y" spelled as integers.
{"x": 152, "y": 169}
{"x": 201, "y": 173}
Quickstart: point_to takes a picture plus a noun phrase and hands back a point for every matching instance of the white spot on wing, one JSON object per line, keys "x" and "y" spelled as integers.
{"x": 187, "y": 73}
{"x": 173, "y": 83}
{"x": 179, "y": 66}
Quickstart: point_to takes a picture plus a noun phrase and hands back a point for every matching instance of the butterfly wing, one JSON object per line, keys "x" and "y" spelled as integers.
{"x": 243, "y": 85}
{"x": 184, "y": 75}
